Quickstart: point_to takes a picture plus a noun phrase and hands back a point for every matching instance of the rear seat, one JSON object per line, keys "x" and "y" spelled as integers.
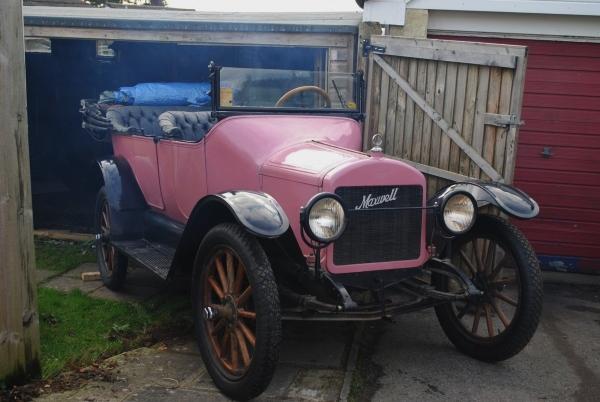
{"x": 141, "y": 119}
{"x": 189, "y": 126}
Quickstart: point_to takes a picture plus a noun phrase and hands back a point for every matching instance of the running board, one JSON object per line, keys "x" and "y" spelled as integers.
{"x": 154, "y": 256}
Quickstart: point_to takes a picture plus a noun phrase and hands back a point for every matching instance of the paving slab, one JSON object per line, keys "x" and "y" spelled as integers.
{"x": 284, "y": 376}
{"x": 146, "y": 367}
{"x": 43, "y": 274}
{"x": 326, "y": 353}
{"x": 316, "y": 385}
{"x": 185, "y": 345}
{"x": 129, "y": 293}
{"x": 151, "y": 394}
{"x": 85, "y": 267}
{"x": 66, "y": 284}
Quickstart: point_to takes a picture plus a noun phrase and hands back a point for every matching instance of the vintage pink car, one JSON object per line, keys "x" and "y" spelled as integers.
{"x": 268, "y": 201}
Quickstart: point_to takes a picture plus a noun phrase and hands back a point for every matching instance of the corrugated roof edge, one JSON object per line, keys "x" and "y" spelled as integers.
{"x": 192, "y": 21}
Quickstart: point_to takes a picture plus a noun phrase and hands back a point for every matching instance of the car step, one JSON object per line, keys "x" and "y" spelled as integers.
{"x": 154, "y": 256}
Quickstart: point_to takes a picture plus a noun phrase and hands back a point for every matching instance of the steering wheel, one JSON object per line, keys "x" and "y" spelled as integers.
{"x": 307, "y": 88}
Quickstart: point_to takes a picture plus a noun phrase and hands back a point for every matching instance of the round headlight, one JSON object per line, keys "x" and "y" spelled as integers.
{"x": 325, "y": 218}
{"x": 459, "y": 213}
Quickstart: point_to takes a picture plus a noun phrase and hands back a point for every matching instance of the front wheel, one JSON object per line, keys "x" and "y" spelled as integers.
{"x": 236, "y": 312}
{"x": 500, "y": 262}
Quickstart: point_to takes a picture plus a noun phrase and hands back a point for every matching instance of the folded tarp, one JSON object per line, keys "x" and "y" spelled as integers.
{"x": 160, "y": 94}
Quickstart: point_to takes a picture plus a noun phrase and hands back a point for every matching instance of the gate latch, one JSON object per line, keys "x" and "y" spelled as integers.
{"x": 367, "y": 47}
{"x": 501, "y": 120}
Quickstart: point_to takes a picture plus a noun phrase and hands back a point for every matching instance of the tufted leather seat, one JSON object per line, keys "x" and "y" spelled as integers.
{"x": 140, "y": 119}
{"x": 189, "y": 126}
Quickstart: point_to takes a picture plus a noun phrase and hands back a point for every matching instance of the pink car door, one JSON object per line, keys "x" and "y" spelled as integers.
{"x": 182, "y": 176}
{"x": 141, "y": 154}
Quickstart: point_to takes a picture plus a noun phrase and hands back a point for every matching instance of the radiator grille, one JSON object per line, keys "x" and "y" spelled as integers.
{"x": 377, "y": 231}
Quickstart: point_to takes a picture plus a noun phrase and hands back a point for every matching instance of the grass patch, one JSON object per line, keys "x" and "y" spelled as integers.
{"x": 77, "y": 330}
{"x": 61, "y": 256}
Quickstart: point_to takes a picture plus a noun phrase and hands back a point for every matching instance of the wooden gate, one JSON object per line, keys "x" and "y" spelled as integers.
{"x": 451, "y": 109}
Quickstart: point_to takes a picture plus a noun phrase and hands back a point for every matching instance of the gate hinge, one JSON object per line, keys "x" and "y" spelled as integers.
{"x": 367, "y": 47}
{"x": 501, "y": 120}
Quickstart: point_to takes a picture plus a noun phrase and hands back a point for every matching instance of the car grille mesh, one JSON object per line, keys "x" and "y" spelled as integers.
{"x": 381, "y": 232}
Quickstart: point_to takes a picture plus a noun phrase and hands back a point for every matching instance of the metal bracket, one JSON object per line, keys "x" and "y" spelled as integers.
{"x": 367, "y": 47}
{"x": 445, "y": 267}
{"x": 349, "y": 304}
{"x": 501, "y": 120}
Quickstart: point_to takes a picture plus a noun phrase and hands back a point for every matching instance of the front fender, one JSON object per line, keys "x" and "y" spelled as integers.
{"x": 258, "y": 212}
{"x": 508, "y": 199}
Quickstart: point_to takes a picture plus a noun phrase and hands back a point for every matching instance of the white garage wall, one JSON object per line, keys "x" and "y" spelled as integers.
{"x": 563, "y": 7}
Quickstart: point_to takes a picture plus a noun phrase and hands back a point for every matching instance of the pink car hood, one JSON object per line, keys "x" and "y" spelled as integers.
{"x": 308, "y": 162}
{"x": 240, "y": 150}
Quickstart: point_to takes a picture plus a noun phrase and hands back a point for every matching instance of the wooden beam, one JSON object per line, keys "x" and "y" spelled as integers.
{"x": 439, "y": 120}
{"x": 433, "y": 171}
{"x": 205, "y": 38}
{"x": 19, "y": 325}
{"x": 516, "y": 104}
{"x": 453, "y": 51}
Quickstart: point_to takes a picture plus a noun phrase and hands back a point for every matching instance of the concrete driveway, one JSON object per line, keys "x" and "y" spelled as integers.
{"x": 407, "y": 359}
{"x": 414, "y": 360}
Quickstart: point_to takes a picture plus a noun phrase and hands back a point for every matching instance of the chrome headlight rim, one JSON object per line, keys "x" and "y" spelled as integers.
{"x": 443, "y": 208}
{"x": 305, "y": 217}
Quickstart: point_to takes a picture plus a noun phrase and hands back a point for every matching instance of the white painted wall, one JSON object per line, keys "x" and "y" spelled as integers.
{"x": 550, "y": 27}
{"x": 561, "y": 7}
{"x": 387, "y": 12}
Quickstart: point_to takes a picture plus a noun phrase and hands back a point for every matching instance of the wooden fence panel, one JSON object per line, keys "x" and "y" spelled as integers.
{"x": 452, "y": 117}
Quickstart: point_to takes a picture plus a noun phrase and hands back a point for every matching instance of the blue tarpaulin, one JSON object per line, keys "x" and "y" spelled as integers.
{"x": 161, "y": 94}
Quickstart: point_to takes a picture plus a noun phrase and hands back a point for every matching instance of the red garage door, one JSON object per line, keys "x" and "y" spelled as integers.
{"x": 558, "y": 156}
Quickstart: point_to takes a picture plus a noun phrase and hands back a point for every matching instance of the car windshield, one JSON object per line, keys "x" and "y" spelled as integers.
{"x": 258, "y": 89}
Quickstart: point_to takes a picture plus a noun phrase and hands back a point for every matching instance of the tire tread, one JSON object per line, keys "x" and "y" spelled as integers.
{"x": 517, "y": 337}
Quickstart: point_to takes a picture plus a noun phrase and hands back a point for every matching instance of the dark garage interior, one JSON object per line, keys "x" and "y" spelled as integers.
{"x": 65, "y": 178}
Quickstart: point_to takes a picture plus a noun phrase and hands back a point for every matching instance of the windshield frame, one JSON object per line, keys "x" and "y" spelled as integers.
{"x": 220, "y": 112}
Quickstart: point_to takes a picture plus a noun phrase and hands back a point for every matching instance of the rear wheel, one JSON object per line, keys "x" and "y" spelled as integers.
{"x": 500, "y": 262}
{"x": 111, "y": 263}
{"x": 236, "y": 312}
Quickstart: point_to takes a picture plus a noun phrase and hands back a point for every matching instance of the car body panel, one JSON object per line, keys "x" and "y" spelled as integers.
{"x": 308, "y": 162}
{"x": 237, "y": 147}
{"x": 140, "y": 153}
{"x": 182, "y": 176}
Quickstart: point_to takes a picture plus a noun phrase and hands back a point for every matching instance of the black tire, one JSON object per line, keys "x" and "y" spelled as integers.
{"x": 264, "y": 299}
{"x": 111, "y": 263}
{"x": 528, "y": 284}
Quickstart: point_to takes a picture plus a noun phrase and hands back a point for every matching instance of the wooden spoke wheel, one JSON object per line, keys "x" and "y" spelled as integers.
{"x": 111, "y": 263}
{"x": 108, "y": 251}
{"x": 229, "y": 311}
{"x": 236, "y": 311}
{"x": 492, "y": 267}
{"x": 502, "y": 264}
